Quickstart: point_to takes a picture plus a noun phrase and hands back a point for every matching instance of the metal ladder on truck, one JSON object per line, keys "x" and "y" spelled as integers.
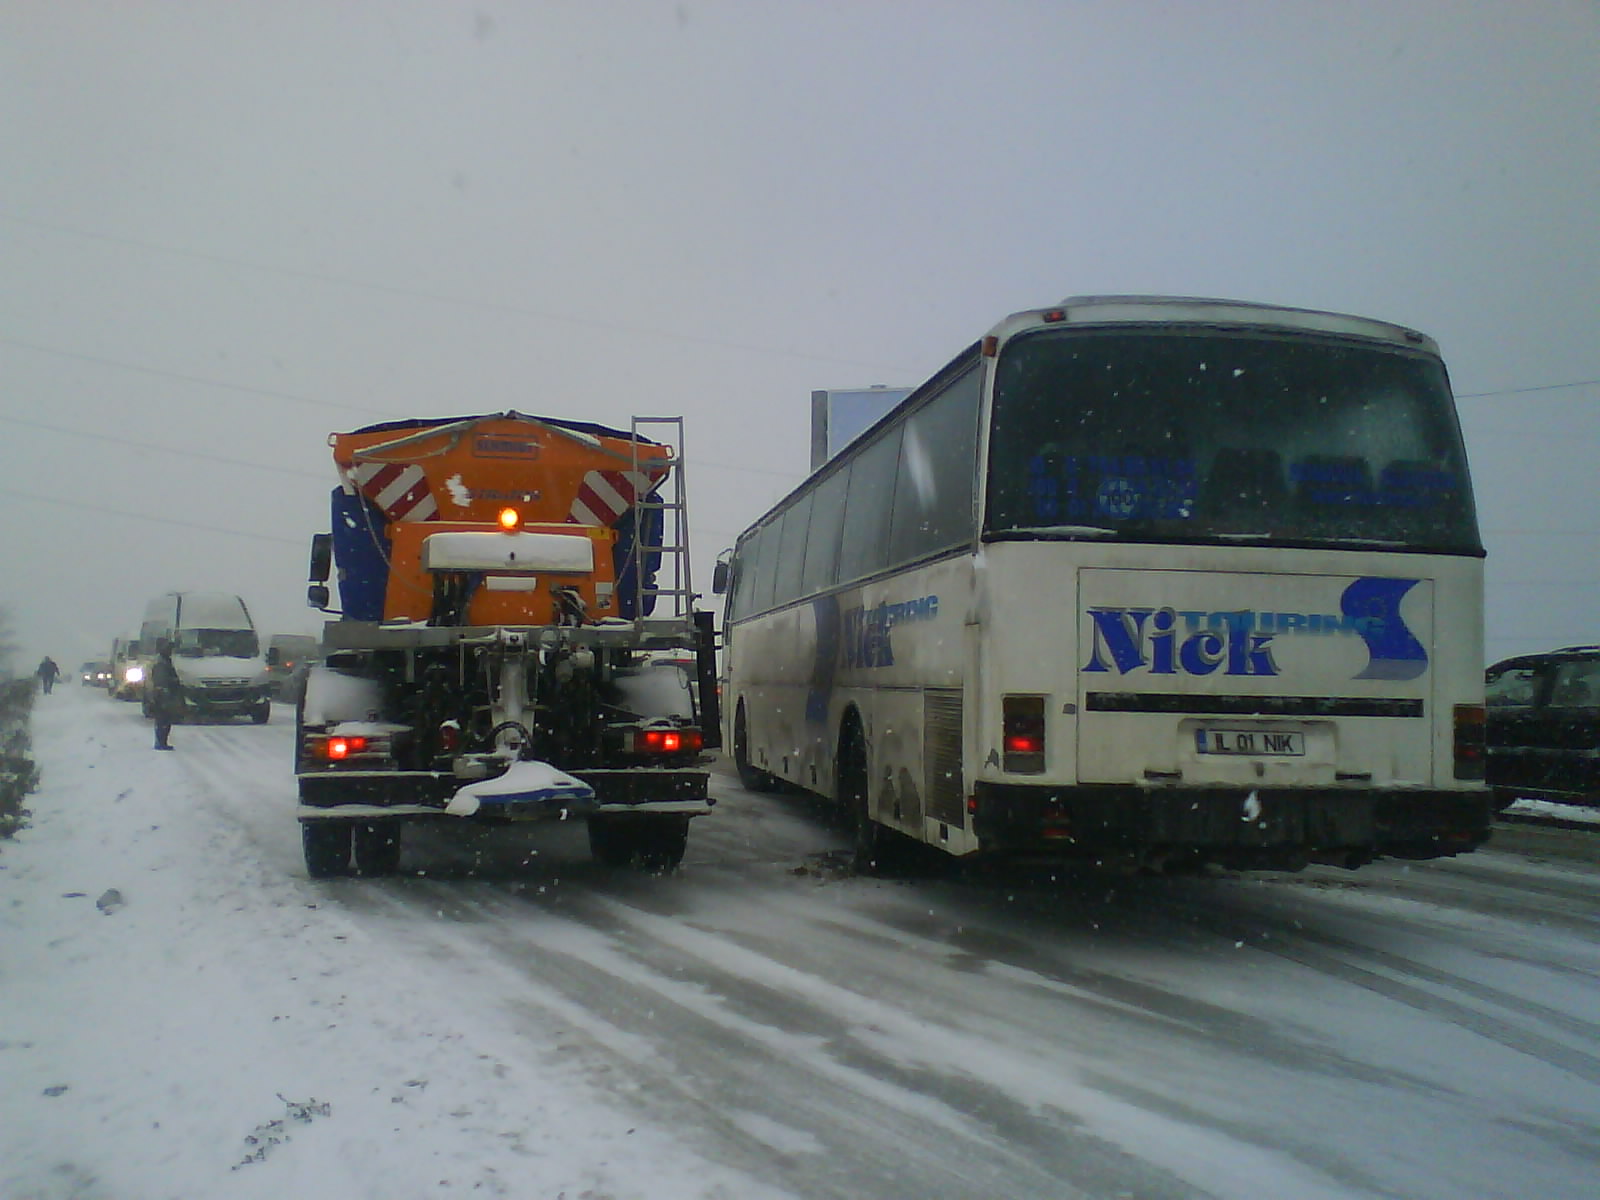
{"x": 670, "y": 581}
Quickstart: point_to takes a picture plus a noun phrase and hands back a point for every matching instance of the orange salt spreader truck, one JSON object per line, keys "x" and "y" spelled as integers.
{"x": 515, "y": 616}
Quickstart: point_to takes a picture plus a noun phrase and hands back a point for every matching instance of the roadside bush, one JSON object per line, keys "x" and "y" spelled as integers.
{"x": 18, "y": 773}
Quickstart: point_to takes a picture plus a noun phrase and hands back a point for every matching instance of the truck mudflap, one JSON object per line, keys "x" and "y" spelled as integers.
{"x": 358, "y": 795}
{"x": 1243, "y": 827}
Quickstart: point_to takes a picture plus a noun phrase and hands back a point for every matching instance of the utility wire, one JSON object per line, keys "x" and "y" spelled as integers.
{"x": 608, "y": 324}
{"x": 122, "y": 512}
{"x": 202, "y": 455}
{"x": 1522, "y": 391}
{"x": 269, "y": 393}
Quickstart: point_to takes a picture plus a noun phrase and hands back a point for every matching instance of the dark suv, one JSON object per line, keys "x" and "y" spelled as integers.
{"x": 1544, "y": 727}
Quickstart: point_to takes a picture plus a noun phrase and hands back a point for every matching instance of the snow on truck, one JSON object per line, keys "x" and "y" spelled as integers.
{"x": 510, "y": 589}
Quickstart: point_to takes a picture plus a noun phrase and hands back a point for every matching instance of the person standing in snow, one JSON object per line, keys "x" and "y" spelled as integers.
{"x": 166, "y": 696}
{"x": 47, "y": 672}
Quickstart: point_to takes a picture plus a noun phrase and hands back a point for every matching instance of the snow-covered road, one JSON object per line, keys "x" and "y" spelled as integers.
{"x": 507, "y": 1018}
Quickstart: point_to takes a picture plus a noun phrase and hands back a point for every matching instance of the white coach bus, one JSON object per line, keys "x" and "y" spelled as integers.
{"x": 1145, "y": 580}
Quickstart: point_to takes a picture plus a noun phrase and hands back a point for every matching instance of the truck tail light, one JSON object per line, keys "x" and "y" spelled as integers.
{"x": 339, "y": 748}
{"x": 1469, "y": 741}
{"x": 1022, "y": 734}
{"x": 660, "y": 742}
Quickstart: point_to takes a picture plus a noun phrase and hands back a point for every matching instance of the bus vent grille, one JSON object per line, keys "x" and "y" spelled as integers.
{"x": 941, "y": 751}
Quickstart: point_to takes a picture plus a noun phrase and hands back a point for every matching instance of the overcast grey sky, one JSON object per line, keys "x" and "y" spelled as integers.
{"x": 228, "y": 229}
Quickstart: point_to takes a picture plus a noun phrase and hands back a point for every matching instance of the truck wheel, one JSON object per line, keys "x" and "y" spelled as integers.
{"x": 610, "y": 841}
{"x": 661, "y": 841}
{"x": 377, "y": 848}
{"x": 752, "y": 777}
{"x": 327, "y": 847}
{"x": 262, "y": 713}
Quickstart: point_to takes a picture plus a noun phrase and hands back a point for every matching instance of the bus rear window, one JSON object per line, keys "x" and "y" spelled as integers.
{"x": 1203, "y": 435}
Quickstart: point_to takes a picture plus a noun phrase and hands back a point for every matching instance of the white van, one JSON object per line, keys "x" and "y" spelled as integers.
{"x": 129, "y": 666}
{"x": 216, "y": 652}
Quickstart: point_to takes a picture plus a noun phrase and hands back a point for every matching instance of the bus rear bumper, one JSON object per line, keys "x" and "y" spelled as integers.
{"x": 1273, "y": 828}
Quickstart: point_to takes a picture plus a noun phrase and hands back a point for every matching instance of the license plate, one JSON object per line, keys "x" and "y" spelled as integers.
{"x": 1262, "y": 742}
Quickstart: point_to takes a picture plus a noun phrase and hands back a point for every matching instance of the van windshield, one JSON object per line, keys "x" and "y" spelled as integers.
{"x": 218, "y": 643}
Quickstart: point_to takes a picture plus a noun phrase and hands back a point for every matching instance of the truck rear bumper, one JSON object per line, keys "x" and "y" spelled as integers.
{"x": 1240, "y": 826}
{"x": 353, "y": 795}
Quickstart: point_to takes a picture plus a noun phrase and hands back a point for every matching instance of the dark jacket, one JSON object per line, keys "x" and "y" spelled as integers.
{"x": 166, "y": 691}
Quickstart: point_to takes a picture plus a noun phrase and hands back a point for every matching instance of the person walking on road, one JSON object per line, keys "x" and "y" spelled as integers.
{"x": 48, "y": 672}
{"x": 166, "y": 696}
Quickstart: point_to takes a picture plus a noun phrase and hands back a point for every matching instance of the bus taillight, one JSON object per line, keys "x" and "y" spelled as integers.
{"x": 1469, "y": 741}
{"x": 1022, "y": 735}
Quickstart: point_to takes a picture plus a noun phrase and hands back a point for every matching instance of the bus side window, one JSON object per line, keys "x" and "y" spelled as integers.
{"x": 865, "y": 545}
{"x": 827, "y": 522}
{"x": 933, "y": 492}
{"x": 743, "y": 571}
{"x": 792, "y": 550}
{"x": 765, "y": 574}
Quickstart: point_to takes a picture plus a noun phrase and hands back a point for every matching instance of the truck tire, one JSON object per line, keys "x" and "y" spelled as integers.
{"x": 377, "y": 848}
{"x": 327, "y": 847}
{"x": 660, "y": 842}
{"x": 653, "y": 843}
{"x": 611, "y": 841}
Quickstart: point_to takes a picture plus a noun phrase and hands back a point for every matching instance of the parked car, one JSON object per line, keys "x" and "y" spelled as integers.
{"x": 95, "y": 674}
{"x": 1543, "y": 728}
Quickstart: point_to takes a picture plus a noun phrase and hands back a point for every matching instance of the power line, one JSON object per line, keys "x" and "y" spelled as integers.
{"x": 160, "y": 372}
{"x": 202, "y": 455}
{"x": 1522, "y": 391}
{"x": 99, "y": 360}
{"x": 610, "y": 325}
{"x": 121, "y": 512}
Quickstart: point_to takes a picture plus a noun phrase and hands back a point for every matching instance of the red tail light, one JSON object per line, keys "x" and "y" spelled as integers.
{"x": 344, "y": 747}
{"x": 1022, "y": 734}
{"x": 1470, "y": 754}
{"x": 449, "y": 737}
{"x": 667, "y": 741}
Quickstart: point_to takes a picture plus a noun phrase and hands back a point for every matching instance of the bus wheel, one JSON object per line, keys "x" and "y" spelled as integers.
{"x": 871, "y": 839}
{"x": 752, "y": 777}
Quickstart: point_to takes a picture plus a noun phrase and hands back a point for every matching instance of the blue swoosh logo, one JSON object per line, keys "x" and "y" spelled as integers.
{"x": 1392, "y": 649}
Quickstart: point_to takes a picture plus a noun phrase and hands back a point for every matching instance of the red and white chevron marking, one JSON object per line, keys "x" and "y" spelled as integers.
{"x": 400, "y": 490}
{"x": 605, "y": 495}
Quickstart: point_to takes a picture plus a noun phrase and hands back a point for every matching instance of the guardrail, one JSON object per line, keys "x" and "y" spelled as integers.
{"x": 19, "y": 775}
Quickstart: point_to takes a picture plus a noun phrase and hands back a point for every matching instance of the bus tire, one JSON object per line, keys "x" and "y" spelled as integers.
{"x": 870, "y": 843}
{"x": 752, "y": 777}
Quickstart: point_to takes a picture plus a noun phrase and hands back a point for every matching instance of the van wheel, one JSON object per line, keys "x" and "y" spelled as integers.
{"x": 752, "y": 777}
{"x": 261, "y": 713}
{"x": 327, "y": 847}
